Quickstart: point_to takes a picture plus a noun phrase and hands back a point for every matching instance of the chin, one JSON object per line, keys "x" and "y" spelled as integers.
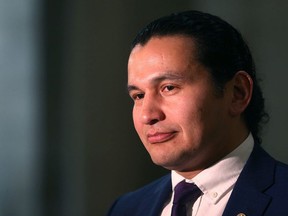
{"x": 165, "y": 162}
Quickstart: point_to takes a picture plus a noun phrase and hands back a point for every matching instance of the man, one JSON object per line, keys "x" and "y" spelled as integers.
{"x": 198, "y": 110}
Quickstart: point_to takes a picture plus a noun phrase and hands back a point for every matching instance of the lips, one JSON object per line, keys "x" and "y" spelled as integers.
{"x": 160, "y": 137}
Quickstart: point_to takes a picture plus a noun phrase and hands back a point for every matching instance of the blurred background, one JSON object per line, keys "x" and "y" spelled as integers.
{"x": 67, "y": 143}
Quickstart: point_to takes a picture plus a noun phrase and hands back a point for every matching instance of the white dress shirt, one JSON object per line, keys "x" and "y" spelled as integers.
{"x": 216, "y": 182}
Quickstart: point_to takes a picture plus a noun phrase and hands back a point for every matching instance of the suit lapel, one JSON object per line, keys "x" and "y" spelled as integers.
{"x": 248, "y": 195}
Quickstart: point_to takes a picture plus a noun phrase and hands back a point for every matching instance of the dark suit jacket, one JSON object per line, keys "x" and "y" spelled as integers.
{"x": 261, "y": 189}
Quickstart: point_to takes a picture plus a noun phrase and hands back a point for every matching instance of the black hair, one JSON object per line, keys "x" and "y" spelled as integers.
{"x": 220, "y": 48}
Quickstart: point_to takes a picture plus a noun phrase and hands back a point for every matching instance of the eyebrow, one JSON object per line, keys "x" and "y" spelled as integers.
{"x": 160, "y": 78}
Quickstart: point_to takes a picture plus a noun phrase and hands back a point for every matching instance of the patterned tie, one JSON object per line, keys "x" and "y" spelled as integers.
{"x": 183, "y": 193}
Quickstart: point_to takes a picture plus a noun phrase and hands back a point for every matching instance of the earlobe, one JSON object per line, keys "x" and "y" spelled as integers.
{"x": 242, "y": 92}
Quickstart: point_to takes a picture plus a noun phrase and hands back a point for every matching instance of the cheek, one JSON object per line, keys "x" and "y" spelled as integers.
{"x": 135, "y": 117}
{"x": 190, "y": 117}
{"x": 186, "y": 111}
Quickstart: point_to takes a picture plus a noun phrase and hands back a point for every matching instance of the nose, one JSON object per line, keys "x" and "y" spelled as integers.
{"x": 151, "y": 111}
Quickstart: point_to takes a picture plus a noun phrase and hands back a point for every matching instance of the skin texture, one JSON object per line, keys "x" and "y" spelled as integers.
{"x": 183, "y": 122}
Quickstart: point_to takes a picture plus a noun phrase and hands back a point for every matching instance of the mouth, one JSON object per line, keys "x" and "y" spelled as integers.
{"x": 160, "y": 137}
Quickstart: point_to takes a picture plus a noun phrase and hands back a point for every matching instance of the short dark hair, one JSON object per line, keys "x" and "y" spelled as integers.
{"x": 220, "y": 48}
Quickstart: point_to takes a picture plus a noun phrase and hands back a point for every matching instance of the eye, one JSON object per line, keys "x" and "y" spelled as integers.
{"x": 169, "y": 88}
{"x": 138, "y": 96}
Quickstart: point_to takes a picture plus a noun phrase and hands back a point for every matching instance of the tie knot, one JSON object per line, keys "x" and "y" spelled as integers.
{"x": 185, "y": 192}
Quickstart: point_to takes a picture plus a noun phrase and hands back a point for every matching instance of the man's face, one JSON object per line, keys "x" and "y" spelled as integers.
{"x": 179, "y": 116}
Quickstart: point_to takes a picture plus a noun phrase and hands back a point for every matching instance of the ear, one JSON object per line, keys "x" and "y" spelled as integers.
{"x": 241, "y": 92}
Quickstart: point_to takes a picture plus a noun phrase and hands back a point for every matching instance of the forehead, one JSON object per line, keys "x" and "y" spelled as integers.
{"x": 165, "y": 53}
{"x": 168, "y": 45}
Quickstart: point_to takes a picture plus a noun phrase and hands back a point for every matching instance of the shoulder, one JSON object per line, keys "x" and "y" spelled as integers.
{"x": 270, "y": 174}
{"x": 280, "y": 168}
{"x": 142, "y": 198}
{"x": 281, "y": 175}
{"x": 264, "y": 173}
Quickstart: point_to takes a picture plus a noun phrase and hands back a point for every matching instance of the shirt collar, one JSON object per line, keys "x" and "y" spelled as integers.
{"x": 213, "y": 185}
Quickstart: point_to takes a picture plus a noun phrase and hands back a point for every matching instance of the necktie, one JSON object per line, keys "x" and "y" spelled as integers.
{"x": 183, "y": 193}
